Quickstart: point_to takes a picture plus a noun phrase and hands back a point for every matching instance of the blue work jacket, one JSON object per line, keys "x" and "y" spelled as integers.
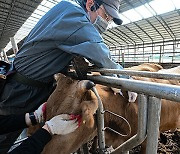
{"x": 62, "y": 33}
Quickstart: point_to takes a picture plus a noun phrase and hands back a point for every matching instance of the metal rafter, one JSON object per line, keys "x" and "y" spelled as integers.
{"x": 159, "y": 20}
{"x": 126, "y": 35}
{"x": 124, "y": 40}
{"x": 152, "y": 24}
{"x": 134, "y": 33}
{"x": 110, "y": 37}
{"x": 131, "y": 5}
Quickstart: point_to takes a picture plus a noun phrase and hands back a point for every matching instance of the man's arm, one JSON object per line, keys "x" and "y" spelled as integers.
{"x": 85, "y": 41}
{"x": 34, "y": 144}
{"x": 61, "y": 125}
{"x": 12, "y": 123}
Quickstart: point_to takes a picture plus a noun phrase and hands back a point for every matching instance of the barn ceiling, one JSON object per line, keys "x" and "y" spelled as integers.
{"x": 154, "y": 29}
{"x": 158, "y": 28}
{"x": 13, "y": 13}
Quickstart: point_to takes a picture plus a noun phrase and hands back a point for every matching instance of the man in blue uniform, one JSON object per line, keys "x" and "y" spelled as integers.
{"x": 70, "y": 28}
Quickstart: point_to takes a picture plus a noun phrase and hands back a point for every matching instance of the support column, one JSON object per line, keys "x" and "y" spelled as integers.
{"x": 3, "y": 54}
{"x": 154, "y": 111}
{"x": 160, "y": 54}
{"x": 14, "y": 45}
{"x": 123, "y": 63}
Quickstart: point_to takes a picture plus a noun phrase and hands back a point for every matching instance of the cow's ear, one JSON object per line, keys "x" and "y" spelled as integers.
{"x": 60, "y": 76}
{"x": 57, "y": 76}
{"x": 88, "y": 110}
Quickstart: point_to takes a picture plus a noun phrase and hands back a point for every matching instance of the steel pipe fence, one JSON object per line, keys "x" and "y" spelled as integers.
{"x": 142, "y": 128}
{"x": 159, "y": 90}
{"x": 149, "y": 108}
{"x": 100, "y": 121}
{"x": 154, "y": 112}
{"x": 139, "y": 73}
{"x": 159, "y": 52}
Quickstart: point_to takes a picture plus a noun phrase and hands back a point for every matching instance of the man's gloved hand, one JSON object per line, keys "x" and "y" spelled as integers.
{"x": 62, "y": 125}
{"x": 40, "y": 113}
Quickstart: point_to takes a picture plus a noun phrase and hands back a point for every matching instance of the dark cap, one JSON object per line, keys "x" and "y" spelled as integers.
{"x": 112, "y": 8}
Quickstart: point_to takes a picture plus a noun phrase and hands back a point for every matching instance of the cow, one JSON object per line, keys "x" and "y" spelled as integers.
{"x": 74, "y": 97}
{"x": 170, "y": 110}
{"x": 71, "y": 97}
{"x": 150, "y": 67}
{"x": 175, "y": 70}
{"x": 156, "y": 68}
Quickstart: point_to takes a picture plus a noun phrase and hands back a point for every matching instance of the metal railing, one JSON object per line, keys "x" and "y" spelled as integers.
{"x": 139, "y": 73}
{"x": 149, "y": 106}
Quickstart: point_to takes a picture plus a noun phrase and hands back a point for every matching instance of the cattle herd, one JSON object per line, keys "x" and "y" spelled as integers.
{"x": 73, "y": 97}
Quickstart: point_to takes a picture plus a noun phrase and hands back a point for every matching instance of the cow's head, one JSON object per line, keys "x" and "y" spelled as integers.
{"x": 73, "y": 97}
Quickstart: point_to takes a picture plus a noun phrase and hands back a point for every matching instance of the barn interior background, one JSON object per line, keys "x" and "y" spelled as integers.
{"x": 150, "y": 31}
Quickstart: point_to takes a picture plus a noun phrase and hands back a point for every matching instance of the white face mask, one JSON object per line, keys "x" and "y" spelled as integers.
{"x": 100, "y": 24}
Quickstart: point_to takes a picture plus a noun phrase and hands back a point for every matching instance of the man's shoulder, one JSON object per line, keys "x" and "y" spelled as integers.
{"x": 72, "y": 5}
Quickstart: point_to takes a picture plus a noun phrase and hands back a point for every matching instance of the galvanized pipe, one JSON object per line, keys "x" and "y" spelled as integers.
{"x": 138, "y": 73}
{"x": 112, "y": 113}
{"x": 5, "y": 56}
{"x": 141, "y": 132}
{"x": 100, "y": 123}
{"x": 170, "y": 92}
{"x": 154, "y": 112}
{"x": 14, "y": 45}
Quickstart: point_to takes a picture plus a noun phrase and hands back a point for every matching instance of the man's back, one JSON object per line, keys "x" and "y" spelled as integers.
{"x": 40, "y": 58}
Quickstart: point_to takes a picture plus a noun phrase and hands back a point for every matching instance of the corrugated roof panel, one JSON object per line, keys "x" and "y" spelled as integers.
{"x": 126, "y": 4}
{"x": 156, "y": 29}
{"x": 13, "y": 14}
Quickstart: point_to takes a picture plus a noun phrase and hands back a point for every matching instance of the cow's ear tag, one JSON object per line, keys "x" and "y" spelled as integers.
{"x": 132, "y": 96}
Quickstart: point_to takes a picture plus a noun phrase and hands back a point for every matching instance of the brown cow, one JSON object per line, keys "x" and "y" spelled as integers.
{"x": 170, "y": 115}
{"x": 156, "y": 68}
{"x": 170, "y": 111}
{"x": 70, "y": 97}
{"x": 150, "y": 67}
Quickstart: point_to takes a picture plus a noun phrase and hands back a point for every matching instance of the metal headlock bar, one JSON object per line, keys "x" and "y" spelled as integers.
{"x": 121, "y": 117}
{"x": 139, "y": 73}
{"x": 142, "y": 129}
{"x": 100, "y": 121}
{"x": 170, "y": 92}
{"x": 148, "y": 113}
